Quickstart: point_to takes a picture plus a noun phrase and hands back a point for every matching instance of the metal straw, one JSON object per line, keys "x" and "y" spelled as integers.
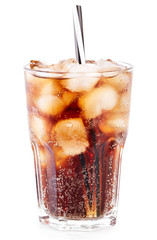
{"x": 78, "y": 34}
{"x": 80, "y": 56}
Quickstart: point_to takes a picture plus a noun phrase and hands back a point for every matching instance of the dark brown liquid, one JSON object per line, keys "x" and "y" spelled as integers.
{"x": 83, "y": 185}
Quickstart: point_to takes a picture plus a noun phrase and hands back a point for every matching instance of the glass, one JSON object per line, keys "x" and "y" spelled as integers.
{"x": 77, "y": 135}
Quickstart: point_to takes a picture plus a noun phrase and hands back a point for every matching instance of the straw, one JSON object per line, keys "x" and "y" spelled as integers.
{"x": 80, "y": 56}
{"x": 78, "y": 34}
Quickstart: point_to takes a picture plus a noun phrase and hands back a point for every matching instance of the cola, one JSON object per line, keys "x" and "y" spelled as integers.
{"x": 78, "y": 120}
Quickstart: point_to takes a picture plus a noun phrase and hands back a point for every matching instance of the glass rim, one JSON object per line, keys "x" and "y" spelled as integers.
{"x": 41, "y": 71}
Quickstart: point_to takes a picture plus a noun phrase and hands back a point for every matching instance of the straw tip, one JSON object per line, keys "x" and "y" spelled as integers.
{"x": 77, "y": 7}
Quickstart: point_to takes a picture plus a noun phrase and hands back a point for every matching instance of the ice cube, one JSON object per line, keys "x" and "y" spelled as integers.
{"x": 84, "y": 68}
{"x": 99, "y": 100}
{"x": 65, "y": 65}
{"x": 51, "y": 86}
{"x": 120, "y": 82}
{"x": 123, "y": 105}
{"x": 107, "y": 65}
{"x": 68, "y": 97}
{"x": 80, "y": 83}
{"x": 109, "y": 68}
{"x": 114, "y": 123}
{"x": 34, "y": 64}
{"x": 84, "y": 78}
{"x": 47, "y": 85}
{"x": 41, "y": 127}
{"x": 50, "y": 105}
{"x": 71, "y": 136}
{"x": 47, "y": 99}
{"x": 91, "y": 61}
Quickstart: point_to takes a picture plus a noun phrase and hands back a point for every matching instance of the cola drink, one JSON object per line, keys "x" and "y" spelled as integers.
{"x": 78, "y": 120}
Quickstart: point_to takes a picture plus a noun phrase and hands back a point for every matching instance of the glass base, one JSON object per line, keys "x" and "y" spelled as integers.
{"x": 79, "y": 225}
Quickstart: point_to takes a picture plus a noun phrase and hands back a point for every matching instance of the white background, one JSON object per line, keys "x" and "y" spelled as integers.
{"x": 122, "y": 30}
